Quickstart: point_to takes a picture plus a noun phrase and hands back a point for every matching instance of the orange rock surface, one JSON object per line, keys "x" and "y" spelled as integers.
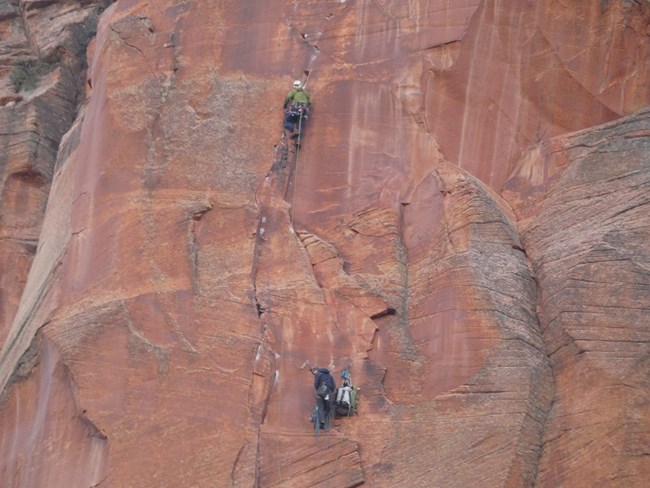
{"x": 583, "y": 213}
{"x": 192, "y": 265}
{"x": 32, "y": 122}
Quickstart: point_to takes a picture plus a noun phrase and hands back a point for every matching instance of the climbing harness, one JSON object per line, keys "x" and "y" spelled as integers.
{"x": 303, "y": 112}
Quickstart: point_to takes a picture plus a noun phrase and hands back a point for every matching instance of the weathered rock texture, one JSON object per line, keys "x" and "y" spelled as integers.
{"x": 33, "y": 122}
{"x": 583, "y": 204}
{"x": 187, "y": 273}
{"x": 527, "y": 71}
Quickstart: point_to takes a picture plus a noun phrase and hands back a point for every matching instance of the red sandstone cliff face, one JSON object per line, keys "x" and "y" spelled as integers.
{"x": 582, "y": 202}
{"x": 33, "y": 122}
{"x": 186, "y": 276}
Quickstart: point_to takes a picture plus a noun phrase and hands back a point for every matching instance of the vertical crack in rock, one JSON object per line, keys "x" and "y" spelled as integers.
{"x": 307, "y": 39}
{"x": 545, "y": 408}
{"x": 311, "y": 40}
{"x": 264, "y": 376}
{"x": 402, "y": 322}
{"x": 471, "y": 318}
{"x": 130, "y": 30}
{"x": 585, "y": 228}
{"x": 455, "y": 310}
{"x": 275, "y": 224}
{"x": 275, "y": 188}
{"x": 262, "y": 338}
{"x": 194, "y": 248}
{"x": 264, "y": 368}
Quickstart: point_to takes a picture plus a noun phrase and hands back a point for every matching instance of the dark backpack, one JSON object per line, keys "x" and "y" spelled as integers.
{"x": 324, "y": 383}
{"x": 323, "y": 391}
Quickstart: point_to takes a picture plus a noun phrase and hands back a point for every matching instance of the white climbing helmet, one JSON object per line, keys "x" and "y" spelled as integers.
{"x": 297, "y": 83}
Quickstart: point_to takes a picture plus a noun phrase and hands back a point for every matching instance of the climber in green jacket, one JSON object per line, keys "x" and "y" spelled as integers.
{"x": 298, "y": 95}
{"x": 296, "y": 105}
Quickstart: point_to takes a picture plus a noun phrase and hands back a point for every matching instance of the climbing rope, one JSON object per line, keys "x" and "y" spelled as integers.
{"x": 286, "y": 154}
{"x": 294, "y": 177}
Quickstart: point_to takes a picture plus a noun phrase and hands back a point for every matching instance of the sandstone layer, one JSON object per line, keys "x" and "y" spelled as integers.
{"x": 582, "y": 202}
{"x": 33, "y": 121}
{"x": 190, "y": 268}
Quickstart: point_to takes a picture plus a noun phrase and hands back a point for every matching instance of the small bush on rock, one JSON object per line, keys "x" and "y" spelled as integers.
{"x": 26, "y": 73}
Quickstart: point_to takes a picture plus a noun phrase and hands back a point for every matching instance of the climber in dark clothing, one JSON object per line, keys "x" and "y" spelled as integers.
{"x": 296, "y": 106}
{"x": 323, "y": 397}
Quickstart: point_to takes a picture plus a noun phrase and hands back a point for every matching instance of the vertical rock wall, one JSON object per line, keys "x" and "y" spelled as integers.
{"x": 40, "y": 418}
{"x": 583, "y": 212}
{"x": 33, "y": 121}
{"x": 187, "y": 274}
{"x": 527, "y": 71}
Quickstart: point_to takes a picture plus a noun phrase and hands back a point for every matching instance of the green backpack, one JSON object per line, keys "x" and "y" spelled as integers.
{"x": 347, "y": 397}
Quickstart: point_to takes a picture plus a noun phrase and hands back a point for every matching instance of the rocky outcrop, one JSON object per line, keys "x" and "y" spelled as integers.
{"x": 582, "y": 202}
{"x": 462, "y": 351}
{"x": 42, "y": 60}
{"x": 192, "y": 263}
